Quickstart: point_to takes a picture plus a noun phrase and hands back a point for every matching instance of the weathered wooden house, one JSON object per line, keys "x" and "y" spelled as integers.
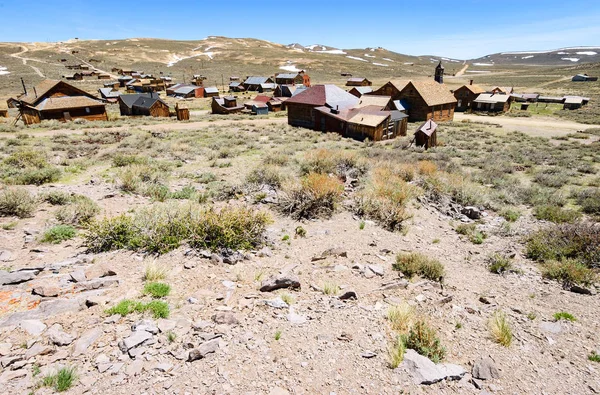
{"x": 275, "y": 104}
{"x": 574, "y": 102}
{"x": 525, "y": 97}
{"x": 301, "y": 107}
{"x": 506, "y": 90}
{"x": 359, "y": 91}
{"x": 267, "y": 87}
{"x": 225, "y": 105}
{"x": 465, "y": 96}
{"x": 423, "y": 99}
{"x": 426, "y": 135}
{"x": 112, "y": 84}
{"x": 259, "y": 108}
{"x": 490, "y": 102}
{"x": 124, "y": 79}
{"x": 109, "y": 95}
{"x": 52, "y": 99}
{"x": 185, "y": 91}
{"x": 358, "y": 81}
{"x": 236, "y": 86}
{"x": 300, "y": 78}
{"x": 254, "y": 83}
{"x": 103, "y": 77}
{"x": 583, "y": 78}
{"x": 234, "y": 78}
{"x": 211, "y": 91}
{"x": 288, "y": 90}
{"x": 143, "y": 104}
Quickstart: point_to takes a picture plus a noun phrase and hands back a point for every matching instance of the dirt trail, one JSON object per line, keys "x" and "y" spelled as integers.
{"x": 24, "y": 60}
{"x": 461, "y": 71}
{"x": 534, "y": 126}
{"x": 155, "y": 127}
{"x": 553, "y": 82}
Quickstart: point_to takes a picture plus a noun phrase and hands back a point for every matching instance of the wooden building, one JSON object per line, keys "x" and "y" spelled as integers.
{"x": 185, "y": 91}
{"x": 288, "y": 90}
{"x": 183, "y": 113}
{"x": 490, "y": 102}
{"x": 57, "y": 100}
{"x": 426, "y": 135}
{"x": 109, "y": 95}
{"x": 254, "y": 83}
{"x": 225, "y": 105}
{"x": 103, "y": 77}
{"x": 439, "y": 73}
{"x": 358, "y": 81}
{"x": 3, "y": 109}
{"x": 465, "y": 96}
{"x": 583, "y": 78}
{"x": 359, "y": 91}
{"x": 211, "y": 91}
{"x": 143, "y": 104}
{"x": 574, "y": 102}
{"x": 301, "y": 107}
{"x": 506, "y": 90}
{"x": 423, "y": 100}
{"x": 236, "y": 86}
{"x": 300, "y": 78}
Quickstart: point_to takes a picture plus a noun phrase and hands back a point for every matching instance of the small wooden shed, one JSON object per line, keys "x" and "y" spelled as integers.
{"x": 183, "y": 112}
{"x": 426, "y": 135}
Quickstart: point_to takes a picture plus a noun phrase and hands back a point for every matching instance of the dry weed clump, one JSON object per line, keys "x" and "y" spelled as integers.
{"x": 317, "y": 195}
{"x": 337, "y": 162}
{"x": 28, "y": 167}
{"x": 414, "y": 263}
{"x": 163, "y": 227}
{"x": 18, "y": 202}
{"x": 385, "y": 196}
{"x": 79, "y": 212}
{"x": 500, "y": 328}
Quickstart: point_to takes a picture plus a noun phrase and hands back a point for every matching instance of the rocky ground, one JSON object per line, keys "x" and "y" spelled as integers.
{"x": 230, "y": 331}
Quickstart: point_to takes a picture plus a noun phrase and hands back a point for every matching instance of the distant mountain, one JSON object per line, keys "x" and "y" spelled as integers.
{"x": 557, "y": 57}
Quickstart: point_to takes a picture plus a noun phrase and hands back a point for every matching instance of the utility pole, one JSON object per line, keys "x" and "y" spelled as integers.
{"x": 223, "y": 82}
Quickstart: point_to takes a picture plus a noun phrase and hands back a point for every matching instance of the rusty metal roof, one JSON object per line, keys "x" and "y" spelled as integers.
{"x": 320, "y": 95}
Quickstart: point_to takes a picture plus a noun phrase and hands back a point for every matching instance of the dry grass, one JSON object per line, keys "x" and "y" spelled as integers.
{"x": 401, "y": 317}
{"x": 500, "y": 329}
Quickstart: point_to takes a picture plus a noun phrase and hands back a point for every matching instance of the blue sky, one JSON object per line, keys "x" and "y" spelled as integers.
{"x": 460, "y": 29}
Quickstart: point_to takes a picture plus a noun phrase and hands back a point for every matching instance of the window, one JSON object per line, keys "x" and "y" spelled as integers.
{"x": 87, "y": 110}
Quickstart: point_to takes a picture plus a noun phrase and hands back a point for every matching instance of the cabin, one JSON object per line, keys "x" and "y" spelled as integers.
{"x": 490, "y": 102}
{"x": 254, "y": 83}
{"x": 465, "y": 96}
{"x": 551, "y": 99}
{"x": 124, "y": 79}
{"x": 288, "y": 90}
{"x": 275, "y": 105}
{"x": 183, "y": 113}
{"x": 267, "y": 87}
{"x": 185, "y": 91}
{"x": 58, "y": 100}
{"x": 112, "y": 84}
{"x": 109, "y": 95}
{"x": 359, "y": 91}
{"x": 299, "y": 78}
{"x": 259, "y": 108}
{"x": 382, "y": 102}
{"x": 236, "y": 86}
{"x": 426, "y": 135}
{"x": 583, "y": 78}
{"x": 103, "y": 77}
{"x": 225, "y": 105}
{"x": 234, "y": 78}
{"x": 425, "y": 99}
{"x": 211, "y": 91}
{"x": 140, "y": 104}
{"x": 505, "y": 90}
{"x": 574, "y": 102}
{"x": 357, "y": 81}
{"x": 3, "y": 109}
{"x": 525, "y": 97}
{"x": 301, "y": 107}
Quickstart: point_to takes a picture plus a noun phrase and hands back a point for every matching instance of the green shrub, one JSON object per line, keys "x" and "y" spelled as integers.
{"x": 18, "y": 202}
{"x": 80, "y": 211}
{"x": 157, "y": 290}
{"x": 157, "y": 192}
{"x": 589, "y": 200}
{"x": 29, "y": 168}
{"x": 61, "y": 380}
{"x": 121, "y": 160}
{"x": 414, "y": 263}
{"x": 569, "y": 272}
{"x": 396, "y": 352}
{"x": 59, "y": 233}
{"x": 265, "y": 175}
{"x": 316, "y": 196}
{"x": 594, "y": 357}
{"x": 580, "y": 241}
{"x": 187, "y": 192}
{"x": 474, "y": 235}
{"x": 556, "y": 214}
{"x": 158, "y": 308}
{"x": 499, "y": 264}
{"x": 162, "y": 228}
{"x": 424, "y": 340}
{"x": 563, "y": 315}
{"x": 510, "y": 215}
{"x": 57, "y": 198}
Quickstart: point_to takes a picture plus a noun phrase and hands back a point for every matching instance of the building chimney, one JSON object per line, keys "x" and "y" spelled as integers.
{"x": 24, "y": 88}
{"x": 34, "y": 91}
{"x": 470, "y": 82}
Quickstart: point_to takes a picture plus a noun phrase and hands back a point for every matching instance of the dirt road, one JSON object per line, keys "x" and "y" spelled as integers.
{"x": 533, "y": 126}
{"x": 24, "y": 60}
{"x": 461, "y": 71}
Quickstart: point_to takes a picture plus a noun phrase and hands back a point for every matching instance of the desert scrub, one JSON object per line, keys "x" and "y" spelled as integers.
{"x": 56, "y": 198}
{"x": 510, "y": 215}
{"x": 589, "y": 200}
{"x": 317, "y": 195}
{"x": 265, "y": 175}
{"x": 569, "y": 272}
{"x": 474, "y": 235}
{"x": 122, "y": 160}
{"x": 157, "y": 290}
{"x": 136, "y": 178}
{"x": 341, "y": 163}
{"x": 154, "y": 272}
{"x": 499, "y": 264}
{"x": 580, "y": 241}
{"x": 556, "y": 214}
{"x": 28, "y": 167}
{"x": 17, "y": 202}
{"x": 424, "y": 340}
{"x": 385, "y": 196}
{"x": 456, "y": 186}
{"x": 396, "y": 352}
{"x": 401, "y": 317}
{"x": 563, "y": 315}
{"x": 163, "y": 227}
{"x": 500, "y": 329}
{"x": 158, "y": 308}
{"x": 61, "y": 380}
{"x": 59, "y": 233}
{"x": 79, "y": 212}
{"x": 414, "y": 263}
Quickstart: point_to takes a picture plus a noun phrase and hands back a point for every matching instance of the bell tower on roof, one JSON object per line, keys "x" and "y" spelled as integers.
{"x": 439, "y": 73}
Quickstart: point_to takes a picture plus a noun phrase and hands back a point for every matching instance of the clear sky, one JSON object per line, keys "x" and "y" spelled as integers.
{"x": 461, "y": 29}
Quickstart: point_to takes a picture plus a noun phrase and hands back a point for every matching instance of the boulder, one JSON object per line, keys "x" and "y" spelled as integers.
{"x": 17, "y": 277}
{"x": 86, "y": 340}
{"x": 485, "y": 369}
{"x": 225, "y": 317}
{"x": 134, "y": 340}
{"x": 281, "y": 281}
{"x": 331, "y": 253}
{"x": 203, "y": 350}
{"x": 424, "y": 371}
{"x": 57, "y": 336}
{"x": 33, "y": 327}
{"x": 471, "y": 212}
